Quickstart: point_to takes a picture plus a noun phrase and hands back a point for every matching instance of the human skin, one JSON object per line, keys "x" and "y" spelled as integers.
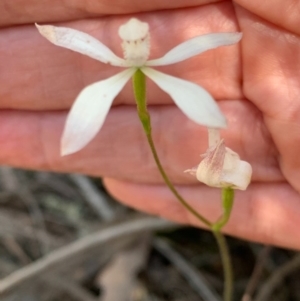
{"x": 256, "y": 84}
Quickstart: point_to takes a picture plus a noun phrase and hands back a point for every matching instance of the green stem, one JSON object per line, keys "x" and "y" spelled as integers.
{"x": 227, "y": 203}
{"x": 227, "y": 265}
{"x": 170, "y": 185}
{"x": 139, "y": 86}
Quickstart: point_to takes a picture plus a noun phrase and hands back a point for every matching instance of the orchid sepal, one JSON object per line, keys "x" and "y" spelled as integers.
{"x": 89, "y": 111}
{"x": 195, "y": 46}
{"x": 81, "y": 42}
{"x": 194, "y": 101}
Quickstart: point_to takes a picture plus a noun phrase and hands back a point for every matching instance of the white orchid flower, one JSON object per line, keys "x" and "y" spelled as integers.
{"x": 91, "y": 107}
{"x": 222, "y": 167}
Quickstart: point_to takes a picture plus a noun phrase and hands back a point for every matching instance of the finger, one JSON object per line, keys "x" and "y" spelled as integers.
{"x": 120, "y": 150}
{"x": 265, "y": 213}
{"x": 39, "y": 75}
{"x": 13, "y": 12}
{"x": 271, "y": 81}
{"x": 284, "y": 13}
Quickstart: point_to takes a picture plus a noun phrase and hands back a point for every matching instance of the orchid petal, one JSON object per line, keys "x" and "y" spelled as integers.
{"x": 80, "y": 42}
{"x": 196, "y": 46}
{"x": 210, "y": 170}
{"x": 194, "y": 101}
{"x": 239, "y": 177}
{"x": 236, "y": 173}
{"x": 89, "y": 111}
{"x": 222, "y": 167}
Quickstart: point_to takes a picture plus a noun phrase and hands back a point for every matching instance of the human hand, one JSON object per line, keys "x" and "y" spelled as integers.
{"x": 255, "y": 82}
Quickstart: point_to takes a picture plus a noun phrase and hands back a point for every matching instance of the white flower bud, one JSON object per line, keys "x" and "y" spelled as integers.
{"x": 222, "y": 167}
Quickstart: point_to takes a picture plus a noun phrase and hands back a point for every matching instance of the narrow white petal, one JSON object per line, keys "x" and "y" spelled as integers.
{"x": 194, "y": 101}
{"x": 80, "y": 42}
{"x": 89, "y": 111}
{"x": 196, "y": 46}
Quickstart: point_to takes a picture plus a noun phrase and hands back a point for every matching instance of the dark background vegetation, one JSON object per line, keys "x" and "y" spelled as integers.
{"x": 63, "y": 238}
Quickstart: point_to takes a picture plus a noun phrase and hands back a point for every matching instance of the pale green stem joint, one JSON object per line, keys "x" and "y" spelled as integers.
{"x": 139, "y": 87}
{"x": 227, "y": 203}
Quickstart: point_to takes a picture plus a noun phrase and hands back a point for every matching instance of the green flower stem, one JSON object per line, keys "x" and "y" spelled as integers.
{"x": 139, "y": 87}
{"x": 227, "y": 203}
{"x": 227, "y": 265}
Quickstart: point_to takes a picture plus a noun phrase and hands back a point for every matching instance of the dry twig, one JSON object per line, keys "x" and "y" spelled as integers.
{"x": 256, "y": 274}
{"x": 192, "y": 275}
{"x": 118, "y": 279}
{"x": 93, "y": 196}
{"x": 71, "y": 287}
{"x": 19, "y": 225}
{"x": 277, "y": 277}
{"x": 13, "y": 184}
{"x": 44, "y": 265}
{"x": 12, "y": 245}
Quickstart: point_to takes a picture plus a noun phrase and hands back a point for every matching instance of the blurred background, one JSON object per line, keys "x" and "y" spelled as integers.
{"x": 62, "y": 237}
